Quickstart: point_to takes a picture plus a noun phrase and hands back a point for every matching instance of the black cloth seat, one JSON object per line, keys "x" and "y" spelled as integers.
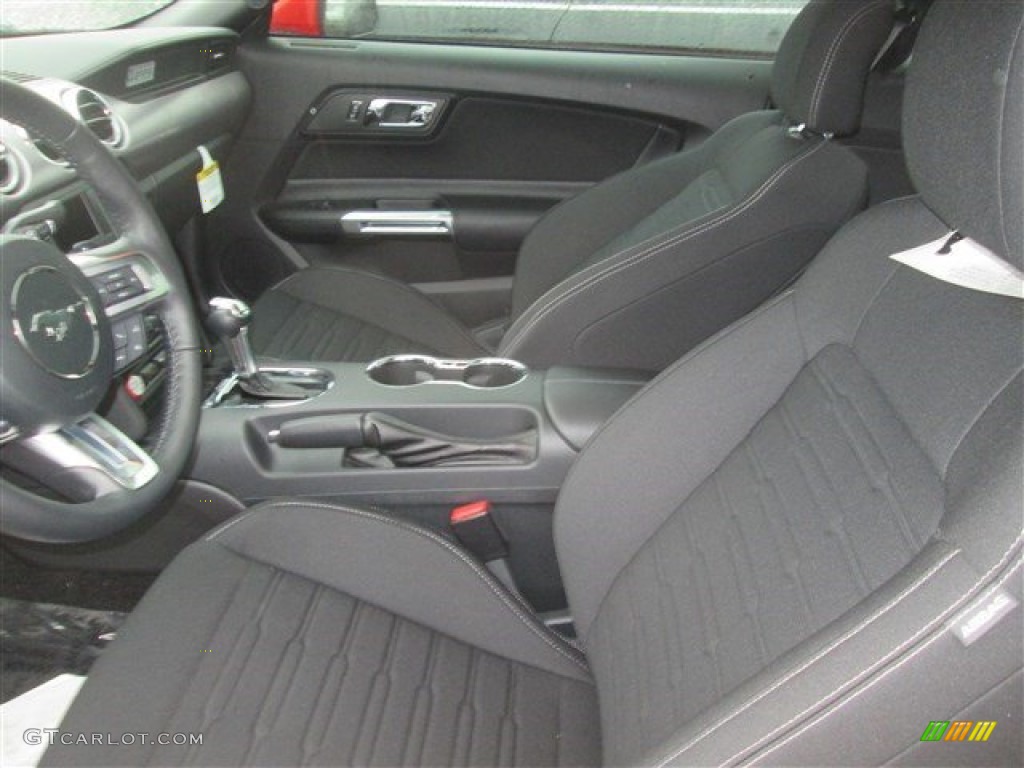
{"x": 639, "y": 269}
{"x": 382, "y": 645}
{"x": 819, "y": 553}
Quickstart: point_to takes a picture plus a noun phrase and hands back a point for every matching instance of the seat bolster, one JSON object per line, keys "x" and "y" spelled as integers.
{"x": 159, "y": 648}
{"x": 374, "y": 300}
{"x": 568, "y": 235}
{"x": 716, "y": 408}
{"x": 383, "y": 561}
{"x": 832, "y": 300}
{"x": 868, "y": 684}
{"x": 897, "y": 659}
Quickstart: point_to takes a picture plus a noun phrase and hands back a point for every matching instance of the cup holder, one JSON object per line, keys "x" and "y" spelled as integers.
{"x": 402, "y": 371}
{"x": 410, "y": 370}
{"x": 493, "y": 373}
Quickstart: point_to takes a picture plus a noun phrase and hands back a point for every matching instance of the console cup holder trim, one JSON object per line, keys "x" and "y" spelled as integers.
{"x": 478, "y": 373}
{"x": 318, "y": 380}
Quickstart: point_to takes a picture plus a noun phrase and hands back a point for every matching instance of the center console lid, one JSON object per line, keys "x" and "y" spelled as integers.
{"x": 579, "y": 400}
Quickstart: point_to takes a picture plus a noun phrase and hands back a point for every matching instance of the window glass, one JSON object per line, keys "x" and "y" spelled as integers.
{"x": 26, "y": 17}
{"x": 736, "y": 26}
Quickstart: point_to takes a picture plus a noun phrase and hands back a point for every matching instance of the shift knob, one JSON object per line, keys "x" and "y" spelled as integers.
{"x": 229, "y": 321}
{"x": 228, "y": 317}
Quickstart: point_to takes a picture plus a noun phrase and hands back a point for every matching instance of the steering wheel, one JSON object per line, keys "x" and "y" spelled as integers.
{"x": 57, "y": 352}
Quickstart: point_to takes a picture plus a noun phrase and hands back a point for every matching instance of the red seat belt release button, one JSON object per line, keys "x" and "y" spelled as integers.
{"x": 477, "y": 530}
{"x": 466, "y": 512}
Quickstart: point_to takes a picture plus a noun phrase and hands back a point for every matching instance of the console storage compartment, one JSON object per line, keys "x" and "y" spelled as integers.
{"x": 412, "y": 430}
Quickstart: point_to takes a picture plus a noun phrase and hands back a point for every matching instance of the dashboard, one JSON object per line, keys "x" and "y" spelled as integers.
{"x": 153, "y": 97}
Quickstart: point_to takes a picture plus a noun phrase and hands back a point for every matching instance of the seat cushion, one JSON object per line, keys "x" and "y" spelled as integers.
{"x": 240, "y": 641}
{"x": 347, "y": 315}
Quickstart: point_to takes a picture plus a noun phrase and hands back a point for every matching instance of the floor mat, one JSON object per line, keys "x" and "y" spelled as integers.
{"x": 100, "y": 590}
{"x": 23, "y": 720}
{"x": 39, "y": 641}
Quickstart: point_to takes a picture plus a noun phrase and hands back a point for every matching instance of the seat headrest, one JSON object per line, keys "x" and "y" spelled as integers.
{"x": 823, "y": 63}
{"x": 963, "y": 120}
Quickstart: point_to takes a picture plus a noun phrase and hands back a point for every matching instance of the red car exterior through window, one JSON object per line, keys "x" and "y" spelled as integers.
{"x": 298, "y": 17}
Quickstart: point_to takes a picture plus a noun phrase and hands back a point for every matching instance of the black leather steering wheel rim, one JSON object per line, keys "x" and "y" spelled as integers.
{"x": 34, "y": 517}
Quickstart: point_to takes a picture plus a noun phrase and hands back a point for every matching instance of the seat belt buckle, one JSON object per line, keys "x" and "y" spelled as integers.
{"x": 477, "y": 530}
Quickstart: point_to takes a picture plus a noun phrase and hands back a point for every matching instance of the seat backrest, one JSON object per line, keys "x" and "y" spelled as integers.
{"x": 802, "y": 543}
{"x": 642, "y": 267}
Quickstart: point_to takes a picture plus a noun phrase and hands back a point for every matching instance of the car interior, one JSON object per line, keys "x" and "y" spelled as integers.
{"x": 395, "y": 401}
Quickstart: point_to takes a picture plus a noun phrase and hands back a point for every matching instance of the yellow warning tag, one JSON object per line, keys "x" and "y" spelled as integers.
{"x": 208, "y": 181}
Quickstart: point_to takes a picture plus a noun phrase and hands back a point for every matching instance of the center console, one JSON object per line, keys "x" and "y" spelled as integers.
{"x": 407, "y": 429}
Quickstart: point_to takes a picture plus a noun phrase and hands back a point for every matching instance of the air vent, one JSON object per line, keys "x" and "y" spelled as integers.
{"x": 11, "y": 172}
{"x": 97, "y": 116}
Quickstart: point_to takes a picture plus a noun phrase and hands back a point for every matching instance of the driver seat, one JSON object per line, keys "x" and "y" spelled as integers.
{"x": 798, "y": 545}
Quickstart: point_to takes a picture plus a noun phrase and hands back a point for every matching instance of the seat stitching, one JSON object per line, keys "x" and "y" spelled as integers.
{"x": 430, "y": 536}
{"x": 380, "y": 688}
{"x": 309, "y": 752}
{"x": 213, "y": 711}
{"x": 780, "y": 526}
{"x": 621, "y": 263}
{"x": 810, "y": 662}
{"x": 423, "y": 691}
{"x": 510, "y": 720}
{"x": 270, "y": 709}
{"x": 883, "y": 286}
{"x": 885, "y": 673}
{"x": 175, "y": 364}
{"x": 1000, "y": 141}
{"x": 340, "y": 653}
{"x": 811, "y": 465}
{"x": 830, "y": 59}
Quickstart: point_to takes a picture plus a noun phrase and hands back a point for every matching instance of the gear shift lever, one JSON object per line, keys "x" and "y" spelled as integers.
{"x": 229, "y": 320}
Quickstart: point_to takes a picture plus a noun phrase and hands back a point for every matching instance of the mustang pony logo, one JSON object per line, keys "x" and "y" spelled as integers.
{"x": 54, "y": 324}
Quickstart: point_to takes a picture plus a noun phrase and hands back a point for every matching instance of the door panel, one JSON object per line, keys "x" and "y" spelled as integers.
{"x": 510, "y": 133}
{"x": 491, "y": 138}
{"x": 526, "y": 144}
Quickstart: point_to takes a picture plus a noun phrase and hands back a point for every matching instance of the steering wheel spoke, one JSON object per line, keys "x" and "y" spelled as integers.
{"x": 83, "y": 461}
{"x": 127, "y": 280}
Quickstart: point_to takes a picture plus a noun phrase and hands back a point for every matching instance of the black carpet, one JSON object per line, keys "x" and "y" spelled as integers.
{"x": 98, "y": 590}
{"x": 57, "y": 621}
{"x": 39, "y": 641}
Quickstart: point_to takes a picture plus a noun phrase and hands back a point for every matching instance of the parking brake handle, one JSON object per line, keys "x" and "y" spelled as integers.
{"x": 379, "y": 440}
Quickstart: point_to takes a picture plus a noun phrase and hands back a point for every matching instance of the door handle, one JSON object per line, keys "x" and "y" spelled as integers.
{"x": 401, "y": 113}
{"x": 379, "y": 223}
